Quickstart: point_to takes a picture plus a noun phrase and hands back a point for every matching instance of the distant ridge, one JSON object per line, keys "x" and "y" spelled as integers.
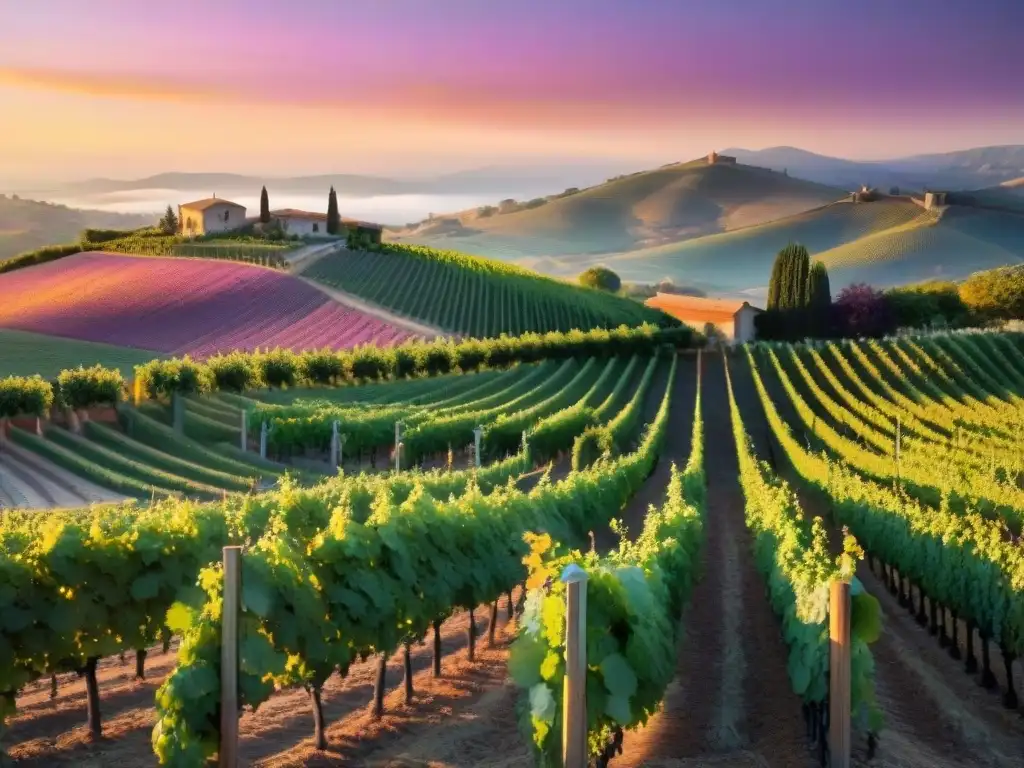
{"x": 675, "y": 202}
{"x": 958, "y": 170}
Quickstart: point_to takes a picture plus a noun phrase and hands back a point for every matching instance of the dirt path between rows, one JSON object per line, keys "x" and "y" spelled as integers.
{"x": 935, "y": 715}
{"x": 49, "y": 732}
{"x": 676, "y": 448}
{"x": 731, "y": 703}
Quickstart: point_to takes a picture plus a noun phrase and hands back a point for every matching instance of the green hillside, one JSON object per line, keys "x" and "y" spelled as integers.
{"x": 961, "y": 241}
{"x": 740, "y": 260}
{"x": 24, "y": 354}
{"x": 29, "y": 224}
{"x": 1008, "y": 196}
{"x": 473, "y": 296}
{"x": 665, "y": 205}
{"x": 887, "y": 242}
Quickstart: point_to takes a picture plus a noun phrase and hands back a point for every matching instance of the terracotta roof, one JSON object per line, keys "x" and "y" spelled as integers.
{"x": 358, "y": 223}
{"x": 209, "y": 202}
{"x": 292, "y": 213}
{"x": 674, "y": 304}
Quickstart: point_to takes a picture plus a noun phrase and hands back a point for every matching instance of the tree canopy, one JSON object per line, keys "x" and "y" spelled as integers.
{"x": 601, "y": 278}
{"x": 169, "y": 223}
{"x": 788, "y": 287}
{"x": 998, "y": 294}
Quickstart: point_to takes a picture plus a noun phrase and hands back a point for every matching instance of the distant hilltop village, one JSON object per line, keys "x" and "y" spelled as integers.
{"x": 716, "y": 159}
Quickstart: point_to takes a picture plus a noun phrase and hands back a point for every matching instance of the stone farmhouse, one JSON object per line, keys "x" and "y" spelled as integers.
{"x": 301, "y": 223}
{"x": 734, "y": 319}
{"x": 311, "y": 224}
{"x": 212, "y": 214}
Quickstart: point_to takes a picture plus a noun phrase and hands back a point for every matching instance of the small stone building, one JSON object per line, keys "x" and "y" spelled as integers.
{"x": 210, "y": 215}
{"x": 301, "y": 223}
{"x": 734, "y": 319}
{"x": 934, "y": 199}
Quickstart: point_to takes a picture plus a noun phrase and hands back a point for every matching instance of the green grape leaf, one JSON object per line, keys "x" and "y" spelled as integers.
{"x": 619, "y": 678}
{"x": 524, "y": 660}
{"x": 191, "y": 684}
{"x": 799, "y": 674}
{"x": 866, "y": 617}
{"x": 257, "y": 596}
{"x": 146, "y": 587}
{"x": 257, "y": 656}
{"x": 542, "y": 703}
{"x": 15, "y": 619}
{"x": 617, "y": 707}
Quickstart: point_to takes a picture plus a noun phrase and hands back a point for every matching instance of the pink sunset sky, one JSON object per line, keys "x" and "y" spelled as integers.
{"x": 118, "y": 88}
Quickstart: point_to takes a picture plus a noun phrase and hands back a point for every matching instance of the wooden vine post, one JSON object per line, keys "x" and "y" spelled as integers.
{"x": 899, "y": 436}
{"x": 334, "y": 444}
{"x": 574, "y": 693}
{"x": 245, "y": 431}
{"x": 398, "y": 446}
{"x": 840, "y": 646}
{"x": 477, "y": 434}
{"x": 263, "y": 432}
{"x": 178, "y": 411}
{"x": 229, "y": 657}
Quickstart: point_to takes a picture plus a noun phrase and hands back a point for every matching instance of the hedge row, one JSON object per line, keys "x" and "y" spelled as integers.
{"x": 280, "y": 368}
{"x": 40, "y": 256}
{"x": 25, "y": 396}
{"x": 75, "y": 388}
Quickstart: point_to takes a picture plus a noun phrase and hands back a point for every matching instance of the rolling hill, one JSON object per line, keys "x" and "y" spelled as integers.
{"x": 718, "y": 227}
{"x": 181, "y": 306}
{"x": 29, "y": 224}
{"x": 963, "y": 169}
{"x": 887, "y": 242}
{"x": 649, "y": 208}
{"x": 1008, "y": 196}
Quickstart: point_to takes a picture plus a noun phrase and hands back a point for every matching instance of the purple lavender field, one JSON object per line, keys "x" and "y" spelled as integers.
{"x": 181, "y": 306}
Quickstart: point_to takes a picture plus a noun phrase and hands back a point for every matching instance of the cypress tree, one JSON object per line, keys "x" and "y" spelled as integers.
{"x": 789, "y": 285}
{"x": 820, "y": 291}
{"x": 775, "y": 283}
{"x": 800, "y": 285}
{"x": 820, "y": 299}
{"x": 786, "y": 291}
{"x": 264, "y": 207}
{"x": 333, "y": 219}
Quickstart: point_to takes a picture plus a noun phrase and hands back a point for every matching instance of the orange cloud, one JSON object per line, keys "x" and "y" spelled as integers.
{"x": 110, "y": 85}
{"x": 484, "y": 105}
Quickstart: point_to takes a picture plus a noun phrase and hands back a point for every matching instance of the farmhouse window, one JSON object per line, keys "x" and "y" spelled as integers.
{"x": 316, "y": 227}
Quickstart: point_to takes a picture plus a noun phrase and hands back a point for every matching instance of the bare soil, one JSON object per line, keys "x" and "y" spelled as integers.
{"x": 49, "y": 732}
{"x": 934, "y": 714}
{"x": 731, "y": 703}
{"x": 676, "y": 448}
